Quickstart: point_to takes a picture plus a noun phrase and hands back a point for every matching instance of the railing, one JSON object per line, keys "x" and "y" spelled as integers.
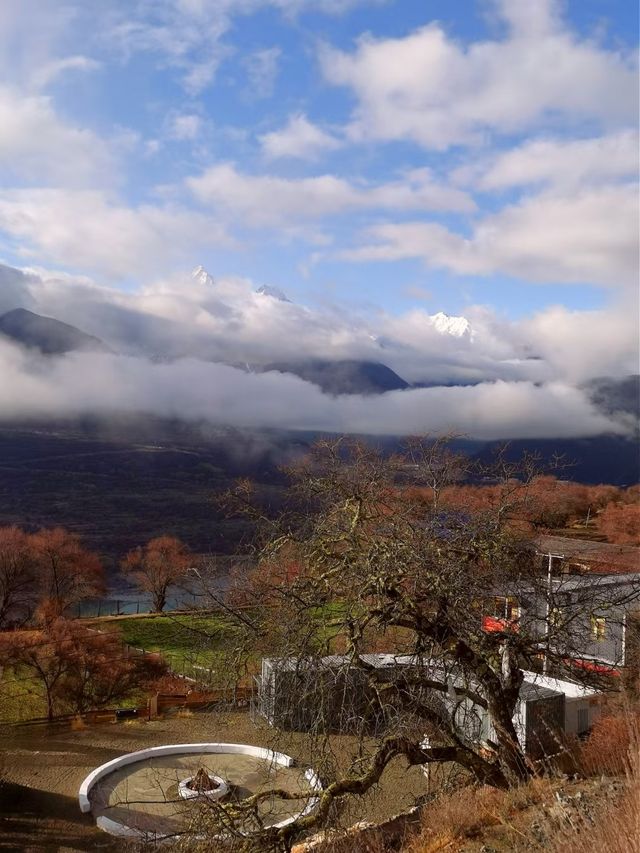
{"x": 238, "y": 697}
{"x": 126, "y": 606}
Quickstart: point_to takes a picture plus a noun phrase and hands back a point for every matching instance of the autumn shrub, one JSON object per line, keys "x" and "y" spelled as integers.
{"x": 463, "y": 814}
{"x": 614, "y": 826}
{"x": 620, "y": 523}
{"x": 606, "y": 751}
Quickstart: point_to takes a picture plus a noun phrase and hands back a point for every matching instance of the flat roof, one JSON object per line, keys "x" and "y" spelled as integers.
{"x": 535, "y": 685}
{"x": 596, "y": 555}
{"x": 559, "y": 685}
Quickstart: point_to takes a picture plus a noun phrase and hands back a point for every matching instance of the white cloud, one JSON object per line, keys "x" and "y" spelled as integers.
{"x": 229, "y": 321}
{"x": 564, "y": 162}
{"x": 429, "y": 88}
{"x": 34, "y": 34}
{"x": 36, "y": 144}
{"x": 528, "y": 370}
{"x": 86, "y": 230}
{"x": 188, "y": 34}
{"x": 298, "y": 138}
{"x": 184, "y": 126}
{"x": 581, "y": 345}
{"x": 48, "y": 72}
{"x": 262, "y": 70}
{"x": 271, "y": 200}
{"x": 590, "y": 236}
{"x": 102, "y": 384}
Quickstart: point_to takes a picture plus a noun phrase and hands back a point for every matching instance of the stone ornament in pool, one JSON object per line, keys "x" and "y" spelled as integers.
{"x": 203, "y": 784}
{"x": 114, "y": 816}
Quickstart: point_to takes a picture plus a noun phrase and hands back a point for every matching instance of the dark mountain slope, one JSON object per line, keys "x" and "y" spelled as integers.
{"x": 343, "y": 377}
{"x": 598, "y": 459}
{"x": 49, "y": 336}
{"x": 616, "y": 395}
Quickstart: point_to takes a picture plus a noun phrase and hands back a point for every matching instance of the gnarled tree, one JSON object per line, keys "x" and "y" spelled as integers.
{"x": 366, "y": 563}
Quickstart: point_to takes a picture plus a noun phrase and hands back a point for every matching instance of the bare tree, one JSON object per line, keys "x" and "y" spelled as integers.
{"x": 360, "y": 562}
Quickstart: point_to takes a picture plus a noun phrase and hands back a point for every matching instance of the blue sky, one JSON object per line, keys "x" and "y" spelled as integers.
{"x": 379, "y": 161}
{"x": 183, "y": 116}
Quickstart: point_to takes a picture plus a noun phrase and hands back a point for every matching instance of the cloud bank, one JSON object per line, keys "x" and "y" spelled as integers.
{"x": 172, "y": 337}
{"x": 194, "y": 390}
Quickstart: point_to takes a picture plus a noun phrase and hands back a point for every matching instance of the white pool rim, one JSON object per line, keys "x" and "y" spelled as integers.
{"x": 268, "y": 755}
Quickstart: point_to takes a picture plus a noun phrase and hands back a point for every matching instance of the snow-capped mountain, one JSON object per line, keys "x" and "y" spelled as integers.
{"x": 446, "y": 324}
{"x": 273, "y": 292}
{"x": 200, "y": 275}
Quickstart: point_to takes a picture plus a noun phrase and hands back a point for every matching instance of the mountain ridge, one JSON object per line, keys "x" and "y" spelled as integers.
{"x": 46, "y": 334}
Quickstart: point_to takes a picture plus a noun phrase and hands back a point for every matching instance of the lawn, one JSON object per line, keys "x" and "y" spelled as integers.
{"x": 186, "y": 642}
{"x": 21, "y": 697}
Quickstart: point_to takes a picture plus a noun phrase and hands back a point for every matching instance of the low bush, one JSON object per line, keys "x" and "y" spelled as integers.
{"x": 463, "y": 814}
{"x": 606, "y": 752}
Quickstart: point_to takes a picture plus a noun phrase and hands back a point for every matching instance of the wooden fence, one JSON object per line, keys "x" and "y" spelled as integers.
{"x": 156, "y": 706}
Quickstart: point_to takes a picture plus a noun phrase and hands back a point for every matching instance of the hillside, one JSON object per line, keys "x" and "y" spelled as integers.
{"x": 121, "y": 481}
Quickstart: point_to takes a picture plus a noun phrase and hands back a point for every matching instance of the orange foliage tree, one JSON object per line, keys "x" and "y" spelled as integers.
{"x": 76, "y": 669}
{"x": 620, "y": 523}
{"x": 157, "y": 567}
{"x": 543, "y": 503}
{"x": 67, "y": 572}
{"x": 18, "y": 593}
{"x": 101, "y": 671}
{"x": 49, "y": 569}
{"x": 33, "y": 656}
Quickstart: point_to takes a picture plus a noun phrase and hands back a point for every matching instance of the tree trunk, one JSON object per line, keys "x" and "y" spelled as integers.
{"x": 514, "y": 763}
{"x": 49, "y": 693}
{"x": 159, "y": 600}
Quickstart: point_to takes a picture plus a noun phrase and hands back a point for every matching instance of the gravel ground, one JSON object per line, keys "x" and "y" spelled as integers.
{"x": 42, "y": 768}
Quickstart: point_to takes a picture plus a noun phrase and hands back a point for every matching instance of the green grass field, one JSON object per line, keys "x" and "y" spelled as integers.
{"x": 185, "y": 641}
{"x": 21, "y": 697}
{"x": 192, "y": 645}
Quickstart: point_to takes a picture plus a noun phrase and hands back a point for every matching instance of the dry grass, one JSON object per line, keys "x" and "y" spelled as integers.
{"x": 183, "y": 713}
{"x": 614, "y": 744}
{"x": 463, "y": 814}
{"x": 600, "y": 811}
{"x": 451, "y": 821}
{"x": 346, "y": 843}
{"x": 608, "y": 748}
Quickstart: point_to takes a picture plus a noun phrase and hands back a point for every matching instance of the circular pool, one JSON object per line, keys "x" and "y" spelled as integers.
{"x": 148, "y": 794}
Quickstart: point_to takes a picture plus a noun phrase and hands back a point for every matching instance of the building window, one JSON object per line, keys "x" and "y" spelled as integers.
{"x": 506, "y": 608}
{"x": 555, "y": 616}
{"x": 598, "y": 627}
